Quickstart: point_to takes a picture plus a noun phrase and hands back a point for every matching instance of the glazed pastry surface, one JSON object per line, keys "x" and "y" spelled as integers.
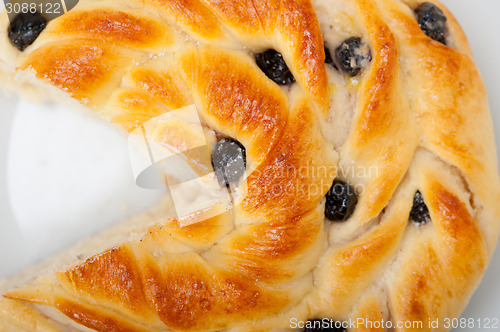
{"x": 408, "y": 128}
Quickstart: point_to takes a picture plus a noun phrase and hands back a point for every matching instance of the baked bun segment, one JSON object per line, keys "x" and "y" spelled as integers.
{"x": 369, "y": 189}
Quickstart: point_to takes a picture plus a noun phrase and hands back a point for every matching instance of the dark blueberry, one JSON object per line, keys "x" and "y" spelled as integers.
{"x": 229, "y": 161}
{"x": 323, "y": 325}
{"x": 274, "y": 66}
{"x": 432, "y": 21}
{"x": 25, "y": 28}
{"x": 352, "y": 56}
{"x": 419, "y": 213}
{"x": 341, "y": 200}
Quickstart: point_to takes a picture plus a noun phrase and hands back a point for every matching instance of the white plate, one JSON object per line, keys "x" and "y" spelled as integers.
{"x": 28, "y": 140}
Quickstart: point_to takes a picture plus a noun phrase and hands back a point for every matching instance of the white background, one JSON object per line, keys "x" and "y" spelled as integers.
{"x": 25, "y": 242}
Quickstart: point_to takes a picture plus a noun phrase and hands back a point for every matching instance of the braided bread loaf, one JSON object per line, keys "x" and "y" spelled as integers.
{"x": 405, "y": 121}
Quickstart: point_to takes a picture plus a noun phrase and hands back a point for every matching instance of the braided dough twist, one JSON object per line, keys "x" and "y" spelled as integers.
{"x": 418, "y": 115}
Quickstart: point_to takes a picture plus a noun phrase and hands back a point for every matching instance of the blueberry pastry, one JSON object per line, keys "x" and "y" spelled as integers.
{"x": 368, "y": 186}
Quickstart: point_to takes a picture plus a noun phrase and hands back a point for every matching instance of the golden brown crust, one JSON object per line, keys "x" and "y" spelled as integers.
{"x": 417, "y": 115}
{"x": 111, "y": 276}
{"x": 16, "y": 316}
{"x": 167, "y": 86}
{"x": 293, "y": 25}
{"x": 454, "y": 255}
{"x": 184, "y": 292}
{"x": 131, "y": 108}
{"x": 236, "y": 99}
{"x": 278, "y": 189}
{"x": 97, "y": 320}
{"x": 194, "y": 16}
{"x": 79, "y": 66}
{"x": 117, "y": 27}
{"x": 380, "y": 113}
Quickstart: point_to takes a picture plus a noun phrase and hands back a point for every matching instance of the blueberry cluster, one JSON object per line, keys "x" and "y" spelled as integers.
{"x": 432, "y": 21}
{"x": 419, "y": 213}
{"x": 25, "y": 28}
{"x": 341, "y": 201}
{"x": 229, "y": 161}
{"x": 274, "y": 66}
{"x": 350, "y": 57}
